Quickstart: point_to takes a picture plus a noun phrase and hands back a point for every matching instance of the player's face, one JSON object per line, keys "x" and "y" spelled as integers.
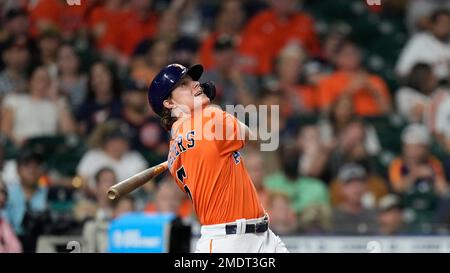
{"x": 188, "y": 95}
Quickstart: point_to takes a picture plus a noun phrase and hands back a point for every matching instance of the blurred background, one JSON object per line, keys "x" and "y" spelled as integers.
{"x": 364, "y": 123}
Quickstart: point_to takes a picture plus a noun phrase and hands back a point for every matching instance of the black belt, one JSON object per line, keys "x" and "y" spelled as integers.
{"x": 249, "y": 228}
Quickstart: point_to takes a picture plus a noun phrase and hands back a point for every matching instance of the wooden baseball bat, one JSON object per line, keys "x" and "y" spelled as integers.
{"x": 130, "y": 184}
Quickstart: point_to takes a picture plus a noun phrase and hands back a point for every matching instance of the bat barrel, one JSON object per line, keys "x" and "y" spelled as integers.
{"x": 135, "y": 181}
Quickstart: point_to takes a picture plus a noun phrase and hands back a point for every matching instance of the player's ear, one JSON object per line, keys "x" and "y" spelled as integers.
{"x": 168, "y": 103}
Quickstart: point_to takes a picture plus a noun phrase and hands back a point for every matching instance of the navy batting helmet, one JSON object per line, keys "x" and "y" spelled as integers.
{"x": 166, "y": 81}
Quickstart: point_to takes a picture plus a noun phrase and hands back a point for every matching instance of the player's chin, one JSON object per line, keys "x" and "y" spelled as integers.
{"x": 202, "y": 100}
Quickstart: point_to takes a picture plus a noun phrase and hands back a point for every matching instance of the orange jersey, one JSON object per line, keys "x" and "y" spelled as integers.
{"x": 266, "y": 34}
{"x": 333, "y": 86}
{"x": 211, "y": 171}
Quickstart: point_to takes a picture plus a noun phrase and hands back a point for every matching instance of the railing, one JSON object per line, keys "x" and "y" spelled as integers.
{"x": 366, "y": 244}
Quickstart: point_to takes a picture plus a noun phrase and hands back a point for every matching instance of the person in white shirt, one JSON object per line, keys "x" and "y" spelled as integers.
{"x": 413, "y": 98}
{"x": 432, "y": 47}
{"x": 35, "y": 114}
{"x": 418, "y": 13}
{"x": 114, "y": 153}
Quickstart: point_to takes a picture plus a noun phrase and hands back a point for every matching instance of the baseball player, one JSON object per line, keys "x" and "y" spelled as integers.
{"x": 210, "y": 169}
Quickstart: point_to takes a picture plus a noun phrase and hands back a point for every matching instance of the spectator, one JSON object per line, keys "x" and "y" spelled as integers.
{"x": 418, "y": 13}
{"x": 419, "y": 177}
{"x": 390, "y": 215}
{"x": 352, "y": 144}
{"x": 233, "y": 87}
{"x": 27, "y": 201}
{"x": 8, "y": 240}
{"x": 183, "y": 18}
{"x": 431, "y": 47}
{"x": 58, "y": 14}
{"x": 369, "y": 93}
{"x": 439, "y": 113}
{"x": 229, "y": 22}
{"x": 283, "y": 219}
{"x": 185, "y": 51}
{"x": 413, "y": 99}
{"x": 147, "y": 135}
{"x": 417, "y": 167}
{"x": 255, "y": 167}
{"x": 314, "y": 153}
{"x": 270, "y": 30}
{"x": 376, "y": 189}
{"x": 110, "y": 144}
{"x": 48, "y": 44}
{"x": 35, "y": 114}
{"x": 169, "y": 23}
{"x": 72, "y": 84}
{"x": 350, "y": 217}
{"x": 104, "y": 23}
{"x": 303, "y": 191}
{"x": 299, "y": 98}
{"x": 16, "y": 22}
{"x": 315, "y": 220}
{"x": 142, "y": 20}
{"x": 321, "y": 66}
{"x": 103, "y": 98}
{"x": 341, "y": 121}
{"x": 13, "y": 77}
{"x": 100, "y": 207}
{"x": 95, "y": 230}
{"x": 123, "y": 205}
{"x": 170, "y": 199}
{"x": 145, "y": 66}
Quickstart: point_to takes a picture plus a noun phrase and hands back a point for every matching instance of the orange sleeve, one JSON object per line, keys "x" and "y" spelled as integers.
{"x": 234, "y": 139}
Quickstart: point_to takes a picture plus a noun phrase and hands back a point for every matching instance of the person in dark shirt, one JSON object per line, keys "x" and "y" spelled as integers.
{"x": 103, "y": 99}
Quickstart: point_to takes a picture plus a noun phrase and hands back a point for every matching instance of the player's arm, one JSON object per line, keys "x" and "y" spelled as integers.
{"x": 244, "y": 129}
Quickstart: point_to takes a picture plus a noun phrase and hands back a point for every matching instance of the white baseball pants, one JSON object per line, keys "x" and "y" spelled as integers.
{"x": 215, "y": 240}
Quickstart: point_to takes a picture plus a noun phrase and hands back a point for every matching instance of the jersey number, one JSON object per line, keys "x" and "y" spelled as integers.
{"x": 181, "y": 175}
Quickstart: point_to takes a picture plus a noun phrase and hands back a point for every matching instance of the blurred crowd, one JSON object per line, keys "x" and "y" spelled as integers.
{"x": 364, "y": 101}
